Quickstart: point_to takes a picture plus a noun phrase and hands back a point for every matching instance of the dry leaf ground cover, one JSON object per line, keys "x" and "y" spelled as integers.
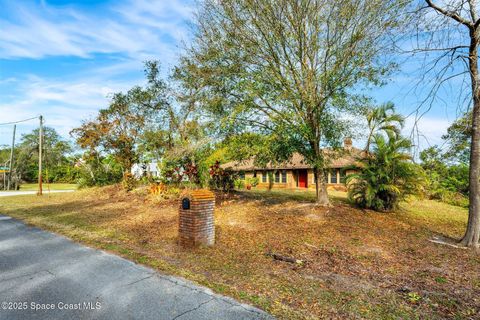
{"x": 358, "y": 263}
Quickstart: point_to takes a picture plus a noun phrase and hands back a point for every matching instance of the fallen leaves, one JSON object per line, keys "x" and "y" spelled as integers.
{"x": 336, "y": 262}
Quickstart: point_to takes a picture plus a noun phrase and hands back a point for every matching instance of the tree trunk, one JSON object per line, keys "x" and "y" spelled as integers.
{"x": 321, "y": 187}
{"x": 472, "y": 234}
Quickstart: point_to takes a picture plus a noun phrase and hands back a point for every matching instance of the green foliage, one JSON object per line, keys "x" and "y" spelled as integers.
{"x": 383, "y": 118}
{"x": 445, "y": 181}
{"x": 222, "y": 179}
{"x": 129, "y": 182}
{"x": 252, "y": 181}
{"x": 183, "y": 170}
{"x": 414, "y": 297}
{"x": 57, "y": 161}
{"x": 95, "y": 170}
{"x": 119, "y": 129}
{"x": 386, "y": 176}
{"x": 458, "y": 138}
{"x": 239, "y": 184}
{"x": 272, "y": 67}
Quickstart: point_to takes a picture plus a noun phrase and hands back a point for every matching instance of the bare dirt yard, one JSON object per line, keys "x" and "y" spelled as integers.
{"x": 357, "y": 264}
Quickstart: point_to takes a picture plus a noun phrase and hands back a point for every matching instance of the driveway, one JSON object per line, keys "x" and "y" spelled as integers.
{"x": 51, "y": 277}
{"x": 20, "y": 193}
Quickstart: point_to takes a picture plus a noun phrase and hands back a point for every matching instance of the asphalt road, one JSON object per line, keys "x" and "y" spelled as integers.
{"x": 51, "y": 277}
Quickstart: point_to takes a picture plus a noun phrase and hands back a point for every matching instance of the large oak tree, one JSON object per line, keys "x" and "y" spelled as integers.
{"x": 294, "y": 69}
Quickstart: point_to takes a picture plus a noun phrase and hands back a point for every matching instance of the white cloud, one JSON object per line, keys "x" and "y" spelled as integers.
{"x": 128, "y": 33}
{"x": 134, "y": 28}
{"x": 426, "y": 131}
{"x": 63, "y": 104}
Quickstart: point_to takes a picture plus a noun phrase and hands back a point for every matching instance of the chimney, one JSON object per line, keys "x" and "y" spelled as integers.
{"x": 347, "y": 143}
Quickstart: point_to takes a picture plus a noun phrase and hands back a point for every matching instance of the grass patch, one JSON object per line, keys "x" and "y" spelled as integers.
{"x": 49, "y": 186}
{"x": 359, "y": 263}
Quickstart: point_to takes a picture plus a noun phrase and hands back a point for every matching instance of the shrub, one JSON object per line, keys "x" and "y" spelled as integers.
{"x": 129, "y": 182}
{"x": 386, "y": 176}
{"x": 239, "y": 184}
{"x": 96, "y": 171}
{"x": 451, "y": 197}
{"x": 253, "y": 181}
{"x": 161, "y": 193}
{"x": 221, "y": 179}
{"x": 157, "y": 188}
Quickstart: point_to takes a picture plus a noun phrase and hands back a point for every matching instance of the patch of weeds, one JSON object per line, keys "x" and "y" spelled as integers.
{"x": 441, "y": 280}
{"x": 366, "y": 257}
{"x": 220, "y": 288}
{"x": 476, "y": 283}
{"x": 414, "y": 297}
{"x": 469, "y": 313}
{"x": 447, "y": 302}
{"x": 356, "y": 241}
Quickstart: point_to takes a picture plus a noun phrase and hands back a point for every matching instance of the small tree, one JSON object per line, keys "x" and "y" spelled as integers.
{"x": 387, "y": 176}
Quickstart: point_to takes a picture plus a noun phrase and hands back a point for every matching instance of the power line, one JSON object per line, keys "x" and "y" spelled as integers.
{"x": 19, "y": 121}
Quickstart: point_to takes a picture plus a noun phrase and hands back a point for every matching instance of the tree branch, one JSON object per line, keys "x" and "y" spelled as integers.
{"x": 450, "y": 14}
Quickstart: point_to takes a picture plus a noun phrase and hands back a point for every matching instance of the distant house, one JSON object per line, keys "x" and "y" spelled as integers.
{"x": 296, "y": 173}
{"x": 140, "y": 170}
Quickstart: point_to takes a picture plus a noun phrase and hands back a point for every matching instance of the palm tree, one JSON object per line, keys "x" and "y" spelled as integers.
{"x": 383, "y": 118}
{"x": 387, "y": 176}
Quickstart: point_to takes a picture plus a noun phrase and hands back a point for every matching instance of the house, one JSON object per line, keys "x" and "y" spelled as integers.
{"x": 140, "y": 170}
{"x": 297, "y": 173}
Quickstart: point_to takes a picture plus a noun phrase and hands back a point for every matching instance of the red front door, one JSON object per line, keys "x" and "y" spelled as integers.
{"x": 302, "y": 178}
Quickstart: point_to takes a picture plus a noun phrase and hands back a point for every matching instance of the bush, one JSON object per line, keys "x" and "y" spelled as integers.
{"x": 239, "y": 184}
{"x": 129, "y": 182}
{"x": 253, "y": 181}
{"x": 445, "y": 182}
{"x": 221, "y": 179}
{"x": 386, "y": 176}
{"x": 161, "y": 193}
{"x": 450, "y": 197}
{"x": 98, "y": 172}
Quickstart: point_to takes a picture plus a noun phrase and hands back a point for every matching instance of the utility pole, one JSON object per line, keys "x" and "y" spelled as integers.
{"x": 40, "y": 148}
{"x": 10, "y": 171}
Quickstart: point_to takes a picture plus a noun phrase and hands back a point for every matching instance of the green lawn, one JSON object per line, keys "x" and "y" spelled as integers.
{"x": 50, "y": 186}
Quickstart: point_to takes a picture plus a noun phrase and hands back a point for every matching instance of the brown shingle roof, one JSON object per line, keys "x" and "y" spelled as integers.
{"x": 339, "y": 159}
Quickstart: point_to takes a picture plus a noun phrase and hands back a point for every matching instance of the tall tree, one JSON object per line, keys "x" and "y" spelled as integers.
{"x": 122, "y": 127}
{"x": 55, "y": 155}
{"x": 291, "y": 69}
{"x": 450, "y": 32}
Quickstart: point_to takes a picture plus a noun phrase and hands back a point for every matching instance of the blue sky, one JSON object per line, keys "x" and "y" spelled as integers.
{"x": 62, "y": 59}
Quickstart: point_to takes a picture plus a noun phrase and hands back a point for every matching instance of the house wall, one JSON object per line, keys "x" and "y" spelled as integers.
{"x": 271, "y": 184}
{"x": 292, "y": 179}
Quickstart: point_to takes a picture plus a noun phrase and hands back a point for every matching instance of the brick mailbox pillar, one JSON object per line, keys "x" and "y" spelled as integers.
{"x": 196, "y": 223}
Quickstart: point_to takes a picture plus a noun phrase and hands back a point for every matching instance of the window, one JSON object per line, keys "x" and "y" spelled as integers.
{"x": 264, "y": 176}
{"x": 277, "y": 176}
{"x": 254, "y": 174}
{"x": 325, "y": 176}
{"x": 284, "y": 176}
{"x": 343, "y": 176}
{"x": 242, "y": 175}
{"x": 333, "y": 176}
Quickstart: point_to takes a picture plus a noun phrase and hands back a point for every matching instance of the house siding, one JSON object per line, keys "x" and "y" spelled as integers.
{"x": 292, "y": 179}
